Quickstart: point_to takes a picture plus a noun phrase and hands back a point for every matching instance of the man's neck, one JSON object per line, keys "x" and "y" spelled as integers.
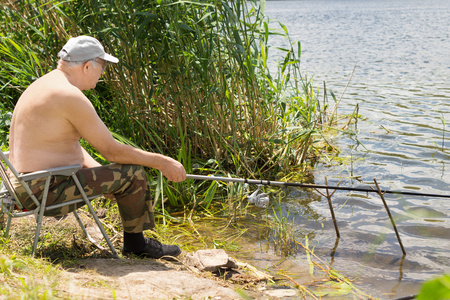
{"x": 72, "y": 74}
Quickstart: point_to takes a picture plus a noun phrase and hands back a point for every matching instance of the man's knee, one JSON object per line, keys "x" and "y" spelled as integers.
{"x": 129, "y": 171}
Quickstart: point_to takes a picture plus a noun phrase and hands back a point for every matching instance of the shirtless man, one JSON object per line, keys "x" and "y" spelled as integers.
{"x": 48, "y": 121}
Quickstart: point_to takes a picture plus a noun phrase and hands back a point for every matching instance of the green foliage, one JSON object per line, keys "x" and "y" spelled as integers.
{"x": 193, "y": 80}
{"x": 5, "y": 122}
{"x": 19, "y": 280}
{"x": 334, "y": 289}
{"x": 436, "y": 289}
{"x": 283, "y": 230}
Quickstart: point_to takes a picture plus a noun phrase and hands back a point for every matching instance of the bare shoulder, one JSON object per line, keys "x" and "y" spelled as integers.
{"x": 54, "y": 99}
{"x": 57, "y": 92}
{"x": 50, "y": 89}
{"x": 61, "y": 88}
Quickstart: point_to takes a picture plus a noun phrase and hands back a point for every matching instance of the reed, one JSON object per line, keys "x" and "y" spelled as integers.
{"x": 443, "y": 131}
{"x": 193, "y": 80}
{"x": 282, "y": 230}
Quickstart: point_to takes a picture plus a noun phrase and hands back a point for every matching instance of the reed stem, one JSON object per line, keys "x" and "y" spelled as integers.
{"x": 380, "y": 193}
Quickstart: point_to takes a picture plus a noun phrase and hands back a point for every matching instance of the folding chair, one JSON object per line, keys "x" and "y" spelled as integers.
{"x": 14, "y": 209}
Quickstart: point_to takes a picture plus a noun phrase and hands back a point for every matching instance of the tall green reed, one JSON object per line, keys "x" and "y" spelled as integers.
{"x": 193, "y": 80}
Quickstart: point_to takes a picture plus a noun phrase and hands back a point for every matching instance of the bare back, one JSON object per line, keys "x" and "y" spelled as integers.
{"x": 41, "y": 134}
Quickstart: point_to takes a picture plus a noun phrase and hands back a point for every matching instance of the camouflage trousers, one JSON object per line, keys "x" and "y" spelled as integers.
{"x": 128, "y": 183}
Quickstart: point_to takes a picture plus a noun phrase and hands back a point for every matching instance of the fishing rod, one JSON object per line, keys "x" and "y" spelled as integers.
{"x": 308, "y": 185}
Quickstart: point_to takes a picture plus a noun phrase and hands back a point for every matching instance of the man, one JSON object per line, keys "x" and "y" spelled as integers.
{"x": 48, "y": 121}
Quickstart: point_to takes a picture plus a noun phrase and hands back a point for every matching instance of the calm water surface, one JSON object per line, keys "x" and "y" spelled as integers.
{"x": 401, "y": 49}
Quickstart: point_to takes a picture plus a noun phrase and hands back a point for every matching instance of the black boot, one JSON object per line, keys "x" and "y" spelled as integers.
{"x": 147, "y": 247}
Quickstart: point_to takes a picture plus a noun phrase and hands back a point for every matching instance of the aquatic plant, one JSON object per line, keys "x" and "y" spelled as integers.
{"x": 443, "y": 130}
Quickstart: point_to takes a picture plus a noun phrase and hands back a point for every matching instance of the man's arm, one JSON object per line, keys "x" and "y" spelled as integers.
{"x": 82, "y": 115}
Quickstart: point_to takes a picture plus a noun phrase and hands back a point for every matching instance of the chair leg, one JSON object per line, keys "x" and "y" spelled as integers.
{"x": 81, "y": 224}
{"x": 89, "y": 237}
{"x": 94, "y": 215}
{"x": 40, "y": 214}
{"x": 100, "y": 226}
{"x": 8, "y": 221}
{"x": 36, "y": 235}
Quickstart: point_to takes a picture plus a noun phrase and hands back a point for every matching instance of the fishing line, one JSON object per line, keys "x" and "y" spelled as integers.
{"x": 308, "y": 185}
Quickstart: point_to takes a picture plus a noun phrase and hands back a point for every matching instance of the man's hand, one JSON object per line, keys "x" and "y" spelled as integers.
{"x": 173, "y": 170}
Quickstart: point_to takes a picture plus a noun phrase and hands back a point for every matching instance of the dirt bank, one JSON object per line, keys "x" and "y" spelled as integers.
{"x": 126, "y": 278}
{"x": 142, "y": 279}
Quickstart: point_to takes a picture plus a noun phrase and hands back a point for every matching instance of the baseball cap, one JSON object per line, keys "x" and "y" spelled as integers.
{"x": 82, "y": 48}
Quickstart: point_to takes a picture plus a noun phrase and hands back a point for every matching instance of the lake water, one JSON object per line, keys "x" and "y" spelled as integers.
{"x": 401, "y": 83}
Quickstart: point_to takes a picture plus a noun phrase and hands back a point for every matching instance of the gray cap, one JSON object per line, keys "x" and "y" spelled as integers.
{"x": 82, "y": 48}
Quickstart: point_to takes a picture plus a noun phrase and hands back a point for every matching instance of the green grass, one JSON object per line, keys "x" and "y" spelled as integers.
{"x": 19, "y": 281}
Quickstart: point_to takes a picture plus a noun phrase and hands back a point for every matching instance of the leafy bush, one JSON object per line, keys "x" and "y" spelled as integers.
{"x": 436, "y": 289}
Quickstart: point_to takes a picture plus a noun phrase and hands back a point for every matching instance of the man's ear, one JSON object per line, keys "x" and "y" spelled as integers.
{"x": 87, "y": 66}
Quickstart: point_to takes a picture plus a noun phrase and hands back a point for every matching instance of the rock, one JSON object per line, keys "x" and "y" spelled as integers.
{"x": 210, "y": 260}
{"x": 101, "y": 212}
{"x": 139, "y": 279}
{"x": 95, "y": 233}
{"x": 281, "y": 293}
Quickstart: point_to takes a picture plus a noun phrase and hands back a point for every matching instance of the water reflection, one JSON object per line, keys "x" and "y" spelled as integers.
{"x": 400, "y": 84}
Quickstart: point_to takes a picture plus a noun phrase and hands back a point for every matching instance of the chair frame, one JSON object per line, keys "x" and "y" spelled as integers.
{"x": 10, "y": 202}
